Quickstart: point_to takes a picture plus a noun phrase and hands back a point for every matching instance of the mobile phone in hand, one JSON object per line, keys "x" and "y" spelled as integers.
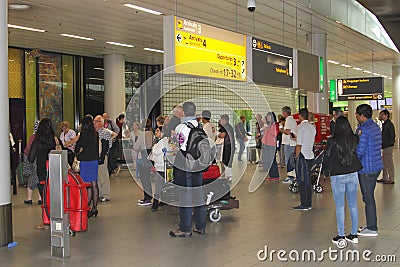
{"x": 292, "y": 135}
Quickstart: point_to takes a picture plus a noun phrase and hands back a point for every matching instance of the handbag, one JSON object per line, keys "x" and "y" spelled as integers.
{"x": 76, "y": 165}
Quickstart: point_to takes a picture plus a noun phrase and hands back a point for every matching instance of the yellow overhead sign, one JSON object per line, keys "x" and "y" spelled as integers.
{"x": 204, "y": 50}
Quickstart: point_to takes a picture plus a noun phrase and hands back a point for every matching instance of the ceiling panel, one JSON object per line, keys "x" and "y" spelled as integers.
{"x": 280, "y": 22}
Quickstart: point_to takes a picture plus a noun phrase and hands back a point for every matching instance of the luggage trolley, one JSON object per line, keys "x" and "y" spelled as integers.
{"x": 226, "y": 202}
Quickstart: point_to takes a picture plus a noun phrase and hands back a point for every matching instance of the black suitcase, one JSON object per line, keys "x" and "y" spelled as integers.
{"x": 252, "y": 154}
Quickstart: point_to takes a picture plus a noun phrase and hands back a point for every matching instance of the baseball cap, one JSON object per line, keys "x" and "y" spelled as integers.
{"x": 206, "y": 114}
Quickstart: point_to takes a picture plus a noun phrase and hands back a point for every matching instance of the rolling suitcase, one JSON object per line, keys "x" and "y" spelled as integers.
{"x": 252, "y": 154}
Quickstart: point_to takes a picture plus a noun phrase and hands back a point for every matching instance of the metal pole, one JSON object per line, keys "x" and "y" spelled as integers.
{"x": 59, "y": 221}
{"x": 6, "y": 229}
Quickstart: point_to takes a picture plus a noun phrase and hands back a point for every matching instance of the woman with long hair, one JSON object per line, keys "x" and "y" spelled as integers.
{"x": 87, "y": 151}
{"x": 342, "y": 164}
{"x": 30, "y": 169}
{"x": 45, "y": 141}
{"x": 269, "y": 146}
{"x": 143, "y": 147}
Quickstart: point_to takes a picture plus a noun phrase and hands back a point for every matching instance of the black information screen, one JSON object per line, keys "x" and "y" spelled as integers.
{"x": 370, "y": 88}
{"x": 272, "y": 63}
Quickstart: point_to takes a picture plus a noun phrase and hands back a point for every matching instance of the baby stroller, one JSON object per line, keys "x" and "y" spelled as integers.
{"x": 316, "y": 170}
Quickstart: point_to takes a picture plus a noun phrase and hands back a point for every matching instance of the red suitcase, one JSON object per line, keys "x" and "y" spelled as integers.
{"x": 213, "y": 172}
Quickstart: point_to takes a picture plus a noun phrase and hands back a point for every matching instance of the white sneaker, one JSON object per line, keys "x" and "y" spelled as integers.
{"x": 287, "y": 180}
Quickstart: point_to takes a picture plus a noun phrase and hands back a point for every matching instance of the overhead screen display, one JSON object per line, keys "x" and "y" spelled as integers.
{"x": 370, "y": 88}
{"x": 204, "y": 50}
{"x": 272, "y": 63}
{"x": 307, "y": 71}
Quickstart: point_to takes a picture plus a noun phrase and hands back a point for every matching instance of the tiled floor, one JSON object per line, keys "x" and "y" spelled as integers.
{"x": 127, "y": 235}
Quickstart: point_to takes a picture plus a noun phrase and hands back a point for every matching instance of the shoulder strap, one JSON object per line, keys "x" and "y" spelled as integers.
{"x": 190, "y": 125}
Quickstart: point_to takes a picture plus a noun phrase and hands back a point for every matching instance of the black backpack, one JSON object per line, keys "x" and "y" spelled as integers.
{"x": 200, "y": 154}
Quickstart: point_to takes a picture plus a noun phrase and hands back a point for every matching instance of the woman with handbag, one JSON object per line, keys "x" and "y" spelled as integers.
{"x": 87, "y": 151}
{"x": 45, "y": 141}
{"x": 342, "y": 164}
{"x": 143, "y": 147}
{"x": 29, "y": 169}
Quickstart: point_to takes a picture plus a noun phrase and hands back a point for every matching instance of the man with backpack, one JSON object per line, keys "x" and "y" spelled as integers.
{"x": 190, "y": 161}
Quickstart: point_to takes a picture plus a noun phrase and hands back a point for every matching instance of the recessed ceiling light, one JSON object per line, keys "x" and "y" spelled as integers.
{"x": 333, "y": 62}
{"x": 143, "y": 9}
{"x": 376, "y": 74}
{"x": 153, "y": 50}
{"x": 77, "y": 37}
{"x": 346, "y": 66}
{"x": 24, "y": 28}
{"x": 120, "y": 44}
{"x": 20, "y": 7}
{"x": 355, "y": 68}
{"x": 367, "y": 71}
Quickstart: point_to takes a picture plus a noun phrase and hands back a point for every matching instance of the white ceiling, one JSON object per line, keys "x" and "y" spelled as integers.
{"x": 282, "y": 22}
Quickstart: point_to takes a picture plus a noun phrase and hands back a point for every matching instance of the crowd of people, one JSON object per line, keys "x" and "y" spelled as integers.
{"x": 351, "y": 159}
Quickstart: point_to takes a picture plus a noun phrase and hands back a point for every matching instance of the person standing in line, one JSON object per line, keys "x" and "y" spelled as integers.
{"x": 269, "y": 147}
{"x": 158, "y": 157}
{"x": 336, "y": 114}
{"x": 143, "y": 147}
{"x": 258, "y": 137}
{"x": 30, "y": 169}
{"x": 342, "y": 164}
{"x": 388, "y": 139}
{"x": 288, "y": 143}
{"x": 369, "y": 153}
{"x": 280, "y": 153}
{"x": 241, "y": 135}
{"x": 134, "y": 135}
{"x": 87, "y": 151}
{"x": 111, "y": 125}
{"x": 226, "y": 132}
{"x": 170, "y": 124}
{"x": 188, "y": 180}
{"x": 304, "y": 156}
{"x": 67, "y": 135}
{"x": 106, "y": 137}
{"x": 44, "y": 142}
{"x": 208, "y": 126}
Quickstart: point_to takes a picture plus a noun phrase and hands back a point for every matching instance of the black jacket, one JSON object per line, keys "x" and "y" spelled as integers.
{"x": 331, "y": 164}
{"x": 388, "y": 134}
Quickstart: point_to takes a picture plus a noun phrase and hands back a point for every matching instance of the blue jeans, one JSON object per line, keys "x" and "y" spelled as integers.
{"x": 241, "y": 148}
{"x": 187, "y": 196}
{"x": 288, "y": 151}
{"x": 345, "y": 185}
{"x": 367, "y": 185}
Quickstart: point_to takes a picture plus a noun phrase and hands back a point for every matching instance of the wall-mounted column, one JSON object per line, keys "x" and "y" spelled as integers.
{"x": 318, "y": 102}
{"x": 6, "y": 231}
{"x": 396, "y": 101}
{"x": 114, "y": 85}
